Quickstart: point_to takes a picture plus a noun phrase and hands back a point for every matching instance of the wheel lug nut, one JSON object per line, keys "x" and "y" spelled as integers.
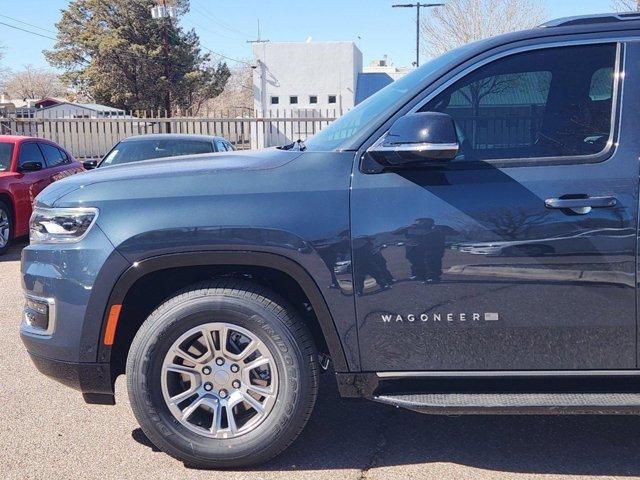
{"x": 223, "y": 393}
{"x": 219, "y": 361}
{"x": 206, "y": 370}
{"x": 236, "y": 384}
{"x": 208, "y": 387}
{"x": 235, "y": 368}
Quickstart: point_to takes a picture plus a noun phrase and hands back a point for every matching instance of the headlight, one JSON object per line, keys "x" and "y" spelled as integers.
{"x": 61, "y": 225}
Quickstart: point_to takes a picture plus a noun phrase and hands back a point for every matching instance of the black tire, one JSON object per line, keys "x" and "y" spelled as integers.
{"x": 265, "y": 315}
{"x": 4, "y": 208}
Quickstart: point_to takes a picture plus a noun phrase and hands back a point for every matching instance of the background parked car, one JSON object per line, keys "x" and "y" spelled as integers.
{"x": 146, "y": 147}
{"x": 27, "y": 166}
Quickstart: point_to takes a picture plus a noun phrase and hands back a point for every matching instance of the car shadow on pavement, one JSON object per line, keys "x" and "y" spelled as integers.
{"x": 14, "y": 251}
{"x": 360, "y": 434}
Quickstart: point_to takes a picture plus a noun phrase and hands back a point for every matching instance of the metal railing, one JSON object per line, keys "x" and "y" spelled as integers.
{"x": 88, "y": 137}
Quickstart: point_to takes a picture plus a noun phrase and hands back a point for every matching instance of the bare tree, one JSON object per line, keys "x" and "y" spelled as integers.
{"x": 3, "y": 70}
{"x": 237, "y": 96}
{"x": 463, "y": 21}
{"x": 34, "y": 82}
{"x": 625, "y": 5}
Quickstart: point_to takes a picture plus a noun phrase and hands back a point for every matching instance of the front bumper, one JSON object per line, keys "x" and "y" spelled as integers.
{"x": 77, "y": 279}
{"x": 92, "y": 379}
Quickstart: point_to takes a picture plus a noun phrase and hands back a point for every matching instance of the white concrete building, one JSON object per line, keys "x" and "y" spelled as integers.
{"x": 309, "y": 75}
{"x": 310, "y": 80}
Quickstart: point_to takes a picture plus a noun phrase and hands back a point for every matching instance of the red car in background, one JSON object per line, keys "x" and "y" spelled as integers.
{"x": 27, "y": 166}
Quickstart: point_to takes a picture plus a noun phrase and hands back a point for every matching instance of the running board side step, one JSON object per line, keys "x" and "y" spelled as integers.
{"x": 516, "y": 403}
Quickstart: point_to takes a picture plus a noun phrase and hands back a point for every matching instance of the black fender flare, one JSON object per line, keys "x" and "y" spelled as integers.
{"x": 230, "y": 257}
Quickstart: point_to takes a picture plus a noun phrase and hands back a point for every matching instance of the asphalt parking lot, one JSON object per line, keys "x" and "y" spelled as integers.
{"x": 46, "y": 431}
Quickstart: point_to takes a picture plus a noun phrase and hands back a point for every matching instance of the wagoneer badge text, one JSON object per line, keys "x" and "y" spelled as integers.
{"x": 441, "y": 317}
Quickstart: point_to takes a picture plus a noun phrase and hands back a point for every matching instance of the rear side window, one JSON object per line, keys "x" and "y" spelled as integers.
{"x": 29, "y": 152}
{"x": 64, "y": 155}
{"x": 52, "y": 155}
{"x": 220, "y": 146}
{"x": 555, "y": 102}
{"x": 6, "y": 152}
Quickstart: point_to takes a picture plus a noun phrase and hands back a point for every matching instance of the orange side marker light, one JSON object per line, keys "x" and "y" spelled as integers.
{"x": 112, "y": 323}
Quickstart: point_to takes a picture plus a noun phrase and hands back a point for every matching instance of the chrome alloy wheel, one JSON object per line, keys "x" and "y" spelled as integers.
{"x": 4, "y": 228}
{"x": 219, "y": 380}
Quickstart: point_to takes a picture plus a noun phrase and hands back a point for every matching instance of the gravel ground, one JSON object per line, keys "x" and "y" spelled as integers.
{"x": 46, "y": 431}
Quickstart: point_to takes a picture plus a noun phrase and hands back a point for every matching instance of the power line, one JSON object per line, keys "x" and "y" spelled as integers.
{"x": 27, "y": 31}
{"x": 218, "y": 53}
{"x": 225, "y": 56}
{"x": 29, "y": 24}
{"x": 220, "y": 22}
{"x": 197, "y": 25}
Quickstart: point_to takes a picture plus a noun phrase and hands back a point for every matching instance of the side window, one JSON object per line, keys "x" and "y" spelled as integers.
{"x": 52, "y": 155}
{"x": 229, "y": 147}
{"x": 29, "y": 152}
{"x": 220, "y": 146}
{"x": 190, "y": 147}
{"x": 65, "y": 157}
{"x": 555, "y": 102}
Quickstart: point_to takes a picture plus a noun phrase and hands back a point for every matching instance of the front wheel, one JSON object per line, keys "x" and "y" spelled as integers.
{"x": 223, "y": 375}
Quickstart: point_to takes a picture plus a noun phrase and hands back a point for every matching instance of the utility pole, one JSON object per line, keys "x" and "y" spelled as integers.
{"x": 165, "y": 13}
{"x": 418, "y": 6}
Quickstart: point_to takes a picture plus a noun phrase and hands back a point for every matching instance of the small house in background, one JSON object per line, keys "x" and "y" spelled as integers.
{"x": 55, "y": 108}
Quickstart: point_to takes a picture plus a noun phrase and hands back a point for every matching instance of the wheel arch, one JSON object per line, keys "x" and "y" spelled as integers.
{"x": 250, "y": 259}
{"x": 7, "y": 198}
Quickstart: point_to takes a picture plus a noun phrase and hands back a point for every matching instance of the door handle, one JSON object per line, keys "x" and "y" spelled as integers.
{"x": 581, "y": 205}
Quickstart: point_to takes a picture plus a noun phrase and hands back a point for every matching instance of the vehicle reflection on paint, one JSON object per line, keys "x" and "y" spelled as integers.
{"x": 581, "y": 243}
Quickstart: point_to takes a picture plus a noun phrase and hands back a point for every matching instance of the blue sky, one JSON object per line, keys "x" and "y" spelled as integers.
{"x": 225, "y": 25}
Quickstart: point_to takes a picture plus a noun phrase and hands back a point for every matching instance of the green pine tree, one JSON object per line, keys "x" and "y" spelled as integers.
{"x": 112, "y": 51}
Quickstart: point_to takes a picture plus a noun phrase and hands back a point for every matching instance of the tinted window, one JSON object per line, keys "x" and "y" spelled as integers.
{"x": 229, "y": 147}
{"x": 29, "y": 152}
{"x": 137, "y": 150}
{"x": 545, "y": 103}
{"x": 6, "y": 151}
{"x": 220, "y": 146}
{"x": 64, "y": 155}
{"x": 52, "y": 155}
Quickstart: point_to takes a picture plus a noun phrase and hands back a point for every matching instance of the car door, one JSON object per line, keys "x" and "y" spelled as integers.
{"x": 547, "y": 151}
{"x": 30, "y": 183}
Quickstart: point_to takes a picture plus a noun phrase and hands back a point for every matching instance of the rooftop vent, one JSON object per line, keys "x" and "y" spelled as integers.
{"x": 592, "y": 19}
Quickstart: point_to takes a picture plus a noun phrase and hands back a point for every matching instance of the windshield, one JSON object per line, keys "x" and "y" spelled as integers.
{"x": 6, "y": 151}
{"x": 339, "y": 133}
{"x": 137, "y": 150}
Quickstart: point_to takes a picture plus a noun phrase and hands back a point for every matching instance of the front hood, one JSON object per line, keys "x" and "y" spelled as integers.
{"x": 174, "y": 168}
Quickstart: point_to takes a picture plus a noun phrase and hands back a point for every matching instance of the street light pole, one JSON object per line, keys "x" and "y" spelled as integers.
{"x": 418, "y": 6}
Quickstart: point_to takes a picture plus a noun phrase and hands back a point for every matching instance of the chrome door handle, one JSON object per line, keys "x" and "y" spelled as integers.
{"x": 580, "y": 206}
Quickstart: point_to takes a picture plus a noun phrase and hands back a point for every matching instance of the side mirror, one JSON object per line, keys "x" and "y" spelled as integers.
{"x": 31, "y": 166}
{"x": 90, "y": 164}
{"x": 417, "y": 139}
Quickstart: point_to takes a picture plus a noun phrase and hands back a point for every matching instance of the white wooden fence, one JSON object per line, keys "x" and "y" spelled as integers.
{"x": 93, "y": 137}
